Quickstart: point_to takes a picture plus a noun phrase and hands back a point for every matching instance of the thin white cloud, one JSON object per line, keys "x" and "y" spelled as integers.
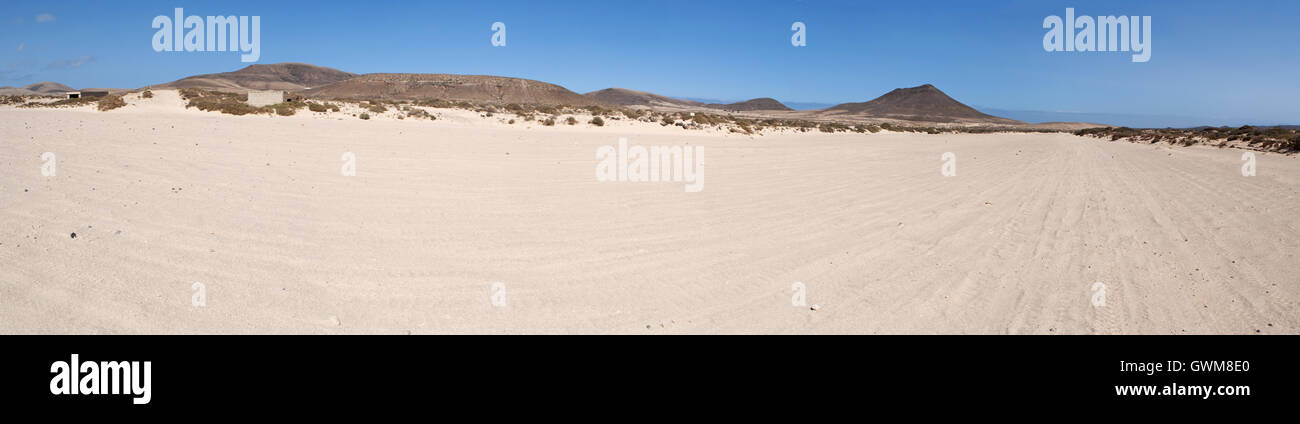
{"x": 21, "y": 45}
{"x": 44, "y": 17}
{"x": 14, "y": 76}
{"x": 69, "y": 63}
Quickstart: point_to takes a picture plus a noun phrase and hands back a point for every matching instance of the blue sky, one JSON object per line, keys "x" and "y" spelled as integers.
{"x": 1212, "y": 62}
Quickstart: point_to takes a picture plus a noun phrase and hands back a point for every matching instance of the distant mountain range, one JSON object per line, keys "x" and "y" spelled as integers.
{"x": 626, "y": 97}
{"x": 925, "y": 103}
{"x": 279, "y": 76}
{"x": 481, "y": 88}
{"x": 44, "y": 88}
{"x": 761, "y": 103}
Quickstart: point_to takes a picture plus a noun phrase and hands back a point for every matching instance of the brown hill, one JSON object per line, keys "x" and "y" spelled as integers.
{"x": 43, "y": 88}
{"x": 924, "y": 103}
{"x": 625, "y": 97}
{"x": 481, "y": 88}
{"x": 47, "y": 87}
{"x": 762, "y": 103}
{"x": 279, "y": 76}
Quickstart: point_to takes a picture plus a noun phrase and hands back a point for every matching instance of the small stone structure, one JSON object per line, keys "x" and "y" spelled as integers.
{"x": 265, "y": 97}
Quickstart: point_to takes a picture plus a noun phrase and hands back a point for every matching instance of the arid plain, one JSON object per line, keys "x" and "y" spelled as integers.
{"x": 255, "y": 208}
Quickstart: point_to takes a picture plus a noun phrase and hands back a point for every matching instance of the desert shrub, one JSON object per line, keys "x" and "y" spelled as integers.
{"x": 832, "y": 127}
{"x": 80, "y": 101}
{"x": 283, "y": 109}
{"x": 229, "y": 103}
{"x": 1276, "y": 132}
{"x": 517, "y": 109}
{"x": 872, "y": 128}
{"x": 549, "y": 122}
{"x": 377, "y": 108}
{"x": 512, "y": 122}
{"x": 110, "y": 102}
{"x": 147, "y": 94}
{"x": 597, "y": 121}
{"x": 223, "y": 105}
{"x": 706, "y": 119}
{"x": 233, "y": 108}
{"x": 190, "y": 93}
{"x": 416, "y": 112}
{"x": 365, "y": 116}
{"x": 434, "y": 103}
{"x": 570, "y": 121}
{"x": 1269, "y": 138}
{"x": 317, "y": 107}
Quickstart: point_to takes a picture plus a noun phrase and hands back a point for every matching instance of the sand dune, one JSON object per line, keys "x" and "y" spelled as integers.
{"x": 256, "y": 209}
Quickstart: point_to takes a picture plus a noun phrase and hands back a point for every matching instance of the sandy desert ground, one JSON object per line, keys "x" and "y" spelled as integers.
{"x": 255, "y": 208}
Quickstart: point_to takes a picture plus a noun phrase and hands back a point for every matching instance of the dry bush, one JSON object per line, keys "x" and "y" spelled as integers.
{"x": 706, "y": 119}
{"x": 80, "y": 101}
{"x": 1272, "y": 138}
{"x": 110, "y": 102}
{"x": 283, "y": 109}
{"x": 416, "y": 112}
{"x": 228, "y": 103}
{"x": 435, "y": 103}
